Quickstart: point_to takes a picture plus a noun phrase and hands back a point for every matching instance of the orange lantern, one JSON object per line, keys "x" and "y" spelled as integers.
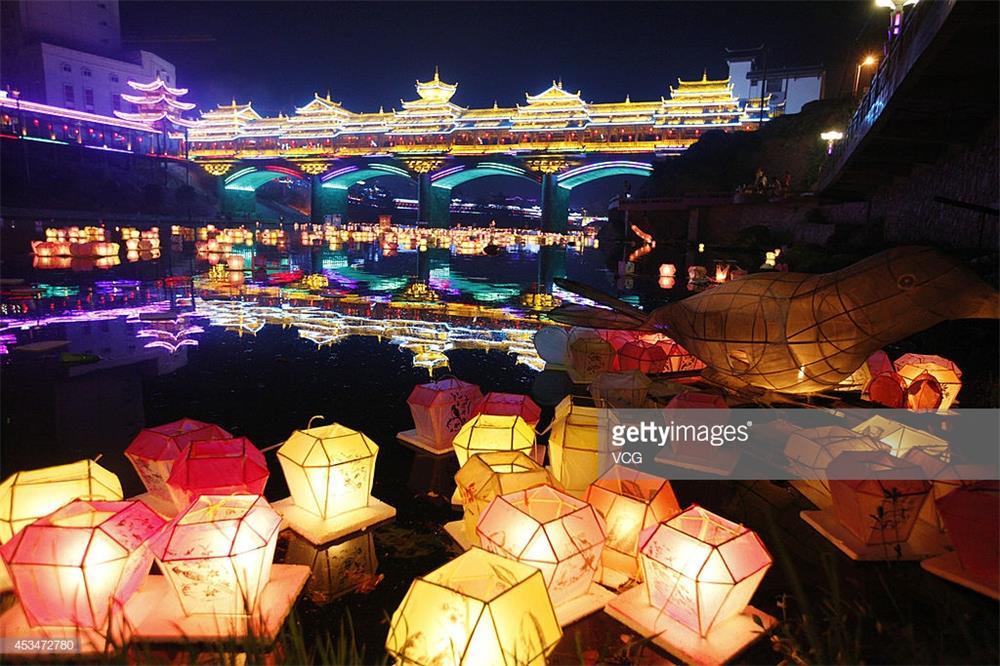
{"x": 881, "y": 501}
{"x": 887, "y": 389}
{"x": 574, "y": 453}
{"x": 510, "y": 404}
{"x": 72, "y": 567}
{"x": 668, "y": 270}
{"x": 441, "y": 408}
{"x": 901, "y": 438}
{"x": 643, "y": 356}
{"x": 217, "y": 554}
{"x": 620, "y": 389}
{"x": 971, "y": 516}
{"x": 548, "y": 529}
{"x": 217, "y": 467}
{"x": 154, "y": 450}
{"x": 924, "y": 393}
{"x": 630, "y": 501}
{"x": 701, "y": 569}
{"x": 488, "y": 475}
{"x": 947, "y": 375}
{"x": 487, "y": 432}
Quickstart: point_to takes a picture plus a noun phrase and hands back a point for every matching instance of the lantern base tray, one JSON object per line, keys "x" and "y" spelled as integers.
{"x": 722, "y": 461}
{"x": 161, "y": 506}
{"x": 726, "y": 639}
{"x": 821, "y": 499}
{"x": 925, "y": 540}
{"x": 413, "y": 440}
{"x": 456, "y": 530}
{"x": 594, "y": 600}
{"x": 949, "y": 567}
{"x": 168, "y": 624}
{"x": 14, "y": 625}
{"x": 318, "y": 531}
{"x": 612, "y": 579}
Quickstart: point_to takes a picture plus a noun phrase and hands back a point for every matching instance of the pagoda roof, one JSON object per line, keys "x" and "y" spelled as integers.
{"x": 434, "y": 92}
{"x": 321, "y": 104}
{"x": 555, "y": 94}
{"x": 157, "y": 85}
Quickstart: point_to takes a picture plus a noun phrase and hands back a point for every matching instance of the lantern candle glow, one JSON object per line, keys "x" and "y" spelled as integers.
{"x": 217, "y": 467}
{"x": 439, "y": 410}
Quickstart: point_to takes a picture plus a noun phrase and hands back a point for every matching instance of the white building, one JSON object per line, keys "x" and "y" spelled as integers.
{"x": 67, "y": 53}
{"x": 790, "y": 88}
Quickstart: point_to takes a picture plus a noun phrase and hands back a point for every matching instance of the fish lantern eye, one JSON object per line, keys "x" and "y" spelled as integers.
{"x": 906, "y": 281}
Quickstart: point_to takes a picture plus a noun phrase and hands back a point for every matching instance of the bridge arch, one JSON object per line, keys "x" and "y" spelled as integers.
{"x": 588, "y": 173}
{"x": 248, "y": 179}
{"x": 458, "y": 175}
{"x": 345, "y": 177}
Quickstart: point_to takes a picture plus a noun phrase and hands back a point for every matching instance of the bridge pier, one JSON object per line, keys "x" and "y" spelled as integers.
{"x": 325, "y": 201}
{"x": 433, "y": 203}
{"x": 235, "y": 202}
{"x": 555, "y": 205}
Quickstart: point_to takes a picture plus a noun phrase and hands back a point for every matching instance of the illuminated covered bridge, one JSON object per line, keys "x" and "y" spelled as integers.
{"x": 555, "y": 140}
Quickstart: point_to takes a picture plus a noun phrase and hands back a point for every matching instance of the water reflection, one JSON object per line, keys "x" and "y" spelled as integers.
{"x": 337, "y": 569}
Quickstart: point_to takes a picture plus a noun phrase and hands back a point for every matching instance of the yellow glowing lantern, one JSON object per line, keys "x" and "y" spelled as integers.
{"x": 479, "y": 609}
{"x": 488, "y": 475}
{"x": 217, "y": 554}
{"x": 810, "y": 450}
{"x": 630, "y": 501}
{"x": 235, "y": 262}
{"x": 29, "y": 495}
{"x": 574, "y": 445}
{"x": 701, "y": 569}
{"x": 947, "y": 374}
{"x": 623, "y": 389}
{"x": 492, "y": 432}
{"x": 329, "y": 469}
{"x": 548, "y": 529}
{"x": 901, "y": 438}
{"x": 71, "y": 567}
{"x": 336, "y": 570}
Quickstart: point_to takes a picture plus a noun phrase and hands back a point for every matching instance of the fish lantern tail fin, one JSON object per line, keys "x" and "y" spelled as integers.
{"x": 588, "y": 316}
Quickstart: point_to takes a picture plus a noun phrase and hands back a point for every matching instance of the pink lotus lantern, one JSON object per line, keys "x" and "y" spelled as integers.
{"x": 217, "y": 554}
{"x": 154, "y": 450}
{"x": 510, "y": 404}
{"x": 72, "y": 567}
{"x": 701, "y": 569}
{"x": 643, "y": 356}
{"x": 217, "y": 467}
{"x": 441, "y": 408}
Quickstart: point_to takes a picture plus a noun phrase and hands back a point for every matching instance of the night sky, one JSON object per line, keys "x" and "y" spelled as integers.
{"x": 368, "y": 54}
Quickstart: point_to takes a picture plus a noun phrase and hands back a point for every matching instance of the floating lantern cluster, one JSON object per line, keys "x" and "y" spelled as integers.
{"x": 66, "y": 242}
{"x": 917, "y": 382}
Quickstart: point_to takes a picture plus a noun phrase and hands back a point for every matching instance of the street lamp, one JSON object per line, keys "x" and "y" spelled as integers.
{"x": 831, "y": 137}
{"x": 867, "y": 62}
{"x": 895, "y": 15}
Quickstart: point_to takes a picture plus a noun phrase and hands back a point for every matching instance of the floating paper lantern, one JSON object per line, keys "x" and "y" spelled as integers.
{"x": 217, "y": 553}
{"x": 235, "y": 262}
{"x": 71, "y": 567}
{"x": 548, "y": 529}
{"x": 487, "y": 432}
{"x": 971, "y": 516}
{"x": 630, "y": 501}
{"x": 154, "y": 450}
{"x": 480, "y": 608}
{"x": 668, "y": 270}
{"x": 441, "y": 408}
{"x": 217, "y": 467}
{"x": 881, "y": 500}
{"x": 810, "y": 450}
{"x": 488, "y": 475}
{"x": 947, "y": 374}
{"x": 620, "y": 389}
{"x": 336, "y": 570}
{"x": 29, "y": 495}
{"x": 901, "y": 438}
{"x": 330, "y": 469}
{"x": 643, "y": 356}
{"x": 701, "y": 569}
{"x": 510, "y": 404}
{"x": 697, "y": 400}
{"x": 590, "y": 355}
{"x": 574, "y": 445}
{"x": 887, "y": 389}
{"x": 924, "y": 393}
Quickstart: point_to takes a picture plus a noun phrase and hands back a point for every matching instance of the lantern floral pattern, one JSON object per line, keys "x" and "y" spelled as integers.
{"x": 154, "y": 450}
{"x": 630, "y": 502}
{"x": 493, "y": 433}
{"x": 590, "y": 355}
{"x": 626, "y": 389}
{"x": 74, "y": 566}
{"x": 548, "y": 529}
{"x": 701, "y": 569}
{"x": 217, "y": 554}
{"x": 488, "y": 475}
{"x": 441, "y": 408}
{"x": 28, "y": 495}
{"x": 480, "y": 609}
{"x": 217, "y": 467}
{"x": 329, "y": 470}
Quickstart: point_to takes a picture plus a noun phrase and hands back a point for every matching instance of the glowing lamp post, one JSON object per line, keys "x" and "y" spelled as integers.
{"x": 548, "y": 529}
{"x": 480, "y": 608}
{"x": 77, "y": 565}
{"x": 439, "y": 411}
{"x": 154, "y": 450}
{"x": 217, "y": 467}
{"x": 488, "y": 475}
{"x": 630, "y": 502}
{"x": 701, "y": 569}
{"x": 510, "y": 404}
{"x": 895, "y": 8}
{"x": 487, "y": 432}
{"x": 574, "y": 446}
{"x": 330, "y": 471}
{"x": 217, "y": 554}
{"x": 867, "y": 62}
{"x": 831, "y": 137}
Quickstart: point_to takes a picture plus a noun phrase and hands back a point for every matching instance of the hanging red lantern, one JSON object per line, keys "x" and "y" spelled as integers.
{"x": 217, "y": 467}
